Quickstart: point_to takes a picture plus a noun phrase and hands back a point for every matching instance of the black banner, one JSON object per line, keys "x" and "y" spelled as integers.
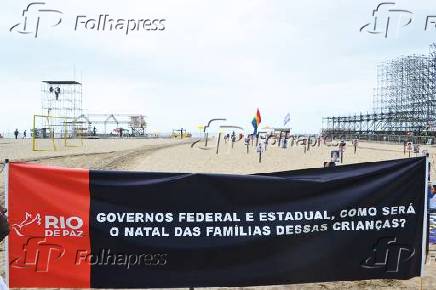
{"x": 354, "y": 222}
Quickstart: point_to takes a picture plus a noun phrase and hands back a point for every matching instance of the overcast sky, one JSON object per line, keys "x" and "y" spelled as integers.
{"x": 214, "y": 59}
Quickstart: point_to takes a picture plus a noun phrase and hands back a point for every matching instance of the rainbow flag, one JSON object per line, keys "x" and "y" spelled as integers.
{"x": 256, "y": 121}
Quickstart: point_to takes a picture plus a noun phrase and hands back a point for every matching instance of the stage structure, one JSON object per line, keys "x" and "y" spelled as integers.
{"x": 404, "y": 101}
{"x": 108, "y": 125}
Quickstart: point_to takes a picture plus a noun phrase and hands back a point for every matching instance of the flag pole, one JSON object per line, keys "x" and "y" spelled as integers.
{"x": 6, "y": 243}
{"x": 425, "y": 216}
{"x": 218, "y": 143}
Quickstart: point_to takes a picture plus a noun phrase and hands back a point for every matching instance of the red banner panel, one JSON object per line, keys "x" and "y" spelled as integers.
{"x": 49, "y": 217}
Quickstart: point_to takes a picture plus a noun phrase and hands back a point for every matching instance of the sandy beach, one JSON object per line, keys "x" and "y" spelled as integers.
{"x": 172, "y": 155}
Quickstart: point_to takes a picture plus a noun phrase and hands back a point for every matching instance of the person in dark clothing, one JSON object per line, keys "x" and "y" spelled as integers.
{"x": 24, "y": 134}
{"x": 16, "y": 133}
{"x": 4, "y": 224}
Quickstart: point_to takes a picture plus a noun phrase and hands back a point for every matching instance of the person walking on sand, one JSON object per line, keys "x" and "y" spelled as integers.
{"x": 24, "y": 134}
{"x": 16, "y": 133}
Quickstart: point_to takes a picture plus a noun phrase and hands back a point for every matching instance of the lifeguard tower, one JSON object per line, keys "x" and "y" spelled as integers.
{"x": 61, "y": 104}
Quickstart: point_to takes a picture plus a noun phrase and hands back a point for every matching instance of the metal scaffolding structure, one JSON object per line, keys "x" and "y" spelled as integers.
{"x": 61, "y": 103}
{"x": 404, "y": 101}
{"x": 61, "y": 99}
